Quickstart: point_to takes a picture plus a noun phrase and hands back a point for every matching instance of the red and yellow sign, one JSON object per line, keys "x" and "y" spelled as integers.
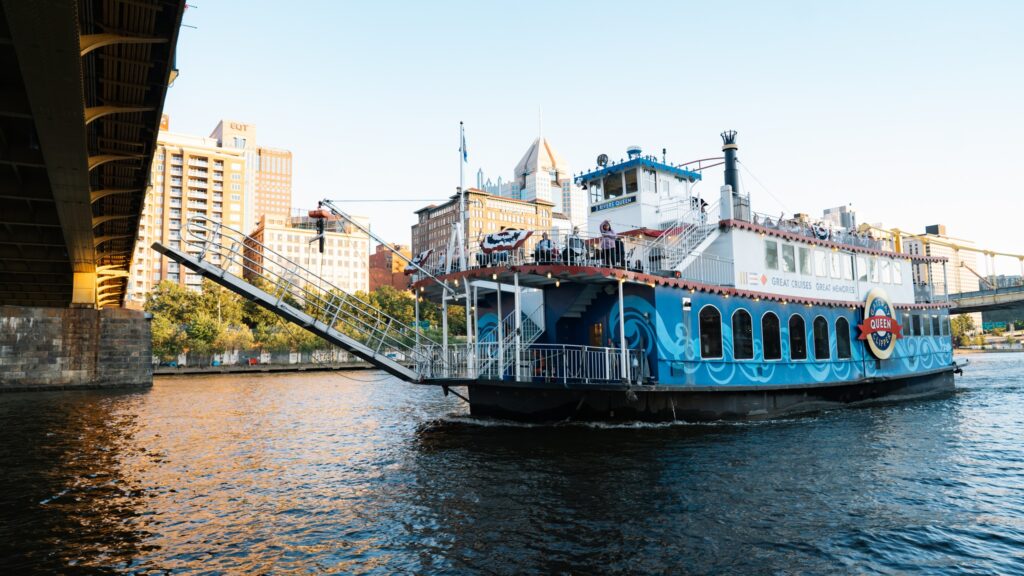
{"x": 880, "y": 329}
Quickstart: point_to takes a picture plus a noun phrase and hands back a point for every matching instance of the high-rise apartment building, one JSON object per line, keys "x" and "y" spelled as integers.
{"x": 225, "y": 177}
{"x": 387, "y": 269}
{"x": 273, "y": 182}
{"x": 961, "y": 274}
{"x": 344, "y": 262}
{"x": 191, "y": 176}
{"x": 268, "y": 178}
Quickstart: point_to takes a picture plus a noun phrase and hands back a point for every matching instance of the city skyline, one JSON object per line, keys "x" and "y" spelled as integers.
{"x": 900, "y": 111}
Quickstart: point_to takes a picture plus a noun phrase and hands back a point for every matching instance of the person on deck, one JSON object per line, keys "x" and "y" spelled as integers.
{"x": 575, "y": 249}
{"x": 543, "y": 250}
{"x": 608, "y": 242}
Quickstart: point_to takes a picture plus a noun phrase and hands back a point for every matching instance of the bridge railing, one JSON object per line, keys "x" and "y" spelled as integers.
{"x": 290, "y": 284}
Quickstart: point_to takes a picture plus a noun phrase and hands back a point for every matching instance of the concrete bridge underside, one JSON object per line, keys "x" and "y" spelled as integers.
{"x": 82, "y": 87}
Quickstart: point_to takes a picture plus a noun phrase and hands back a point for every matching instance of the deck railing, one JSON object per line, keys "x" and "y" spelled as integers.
{"x": 659, "y": 255}
{"x": 821, "y": 231}
{"x": 292, "y": 285}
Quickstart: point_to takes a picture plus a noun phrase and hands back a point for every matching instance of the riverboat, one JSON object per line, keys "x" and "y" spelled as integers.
{"x": 671, "y": 305}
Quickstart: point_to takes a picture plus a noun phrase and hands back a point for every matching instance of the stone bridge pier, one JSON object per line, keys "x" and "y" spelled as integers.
{"x": 65, "y": 348}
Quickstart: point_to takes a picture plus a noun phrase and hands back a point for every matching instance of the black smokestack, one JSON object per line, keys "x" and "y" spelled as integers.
{"x": 732, "y": 173}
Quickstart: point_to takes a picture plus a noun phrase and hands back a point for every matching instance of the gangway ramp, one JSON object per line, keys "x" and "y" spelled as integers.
{"x": 282, "y": 286}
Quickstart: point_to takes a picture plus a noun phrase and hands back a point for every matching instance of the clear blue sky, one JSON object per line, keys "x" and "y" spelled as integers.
{"x": 910, "y": 111}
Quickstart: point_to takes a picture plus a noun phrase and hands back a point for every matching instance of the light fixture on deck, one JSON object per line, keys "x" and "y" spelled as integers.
{"x": 549, "y": 275}
{"x": 558, "y": 283}
{"x": 494, "y": 276}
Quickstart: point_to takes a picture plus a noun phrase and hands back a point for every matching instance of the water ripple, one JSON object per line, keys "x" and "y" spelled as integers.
{"x": 329, "y": 473}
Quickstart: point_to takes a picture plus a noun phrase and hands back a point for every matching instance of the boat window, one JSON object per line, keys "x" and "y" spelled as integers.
{"x": 597, "y": 334}
{"x": 847, "y": 267}
{"x": 821, "y": 262}
{"x": 650, "y": 181}
{"x": 788, "y": 258}
{"x": 710, "y": 332}
{"x": 905, "y": 324}
{"x": 805, "y": 260}
{"x": 936, "y": 325}
{"x": 613, "y": 186}
{"x": 915, "y": 325}
{"x": 926, "y": 327}
{"x": 742, "y": 335}
{"x": 770, "y": 337}
{"x": 797, "y": 338}
{"x": 862, "y": 269}
{"x": 821, "y": 351}
{"x": 631, "y": 185}
{"x": 596, "y": 194}
{"x": 837, "y": 267}
{"x": 883, "y": 268}
{"x": 897, "y": 272}
{"x": 843, "y": 338}
{"x": 873, "y": 269}
{"x": 771, "y": 254}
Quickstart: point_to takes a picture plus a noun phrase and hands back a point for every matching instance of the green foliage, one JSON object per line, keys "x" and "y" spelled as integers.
{"x": 962, "y": 326}
{"x": 216, "y": 320}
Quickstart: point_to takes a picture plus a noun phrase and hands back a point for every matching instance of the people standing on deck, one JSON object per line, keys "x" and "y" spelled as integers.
{"x": 609, "y": 244}
{"x": 440, "y": 263}
{"x": 543, "y": 250}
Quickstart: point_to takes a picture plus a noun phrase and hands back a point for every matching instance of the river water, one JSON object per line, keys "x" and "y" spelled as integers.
{"x": 359, "y": 473}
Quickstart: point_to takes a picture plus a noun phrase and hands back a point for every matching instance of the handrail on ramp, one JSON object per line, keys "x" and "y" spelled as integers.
{"x": 258, "y": 273}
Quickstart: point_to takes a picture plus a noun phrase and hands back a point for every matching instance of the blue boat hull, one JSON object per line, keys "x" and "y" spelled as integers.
{"x": 662, "y": 404}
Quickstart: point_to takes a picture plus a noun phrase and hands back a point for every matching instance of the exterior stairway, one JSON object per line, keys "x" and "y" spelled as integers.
{"x": 257, "y": 273}
{"x": 489, "y": 361}
{"x": 582, "y": 302}
{"x": 676, "y": 249}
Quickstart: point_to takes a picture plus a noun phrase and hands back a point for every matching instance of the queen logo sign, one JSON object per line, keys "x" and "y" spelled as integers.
{"x": 880, "y": 329}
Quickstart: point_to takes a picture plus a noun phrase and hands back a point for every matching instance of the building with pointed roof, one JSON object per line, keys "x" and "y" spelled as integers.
{"x": 542, "y": 174}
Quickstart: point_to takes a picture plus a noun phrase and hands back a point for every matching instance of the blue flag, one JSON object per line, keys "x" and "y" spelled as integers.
{"x": 465, "y": 155}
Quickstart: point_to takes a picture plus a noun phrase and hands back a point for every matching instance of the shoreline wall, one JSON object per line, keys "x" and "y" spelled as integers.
{"x": 73, "y": 348}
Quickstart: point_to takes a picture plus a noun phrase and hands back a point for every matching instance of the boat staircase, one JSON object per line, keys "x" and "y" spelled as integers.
{"x": 696, "y": 227}
{"x": 259, "y": 274}
{"x": 496, "y": 360}
{"x": 583, "y": 301}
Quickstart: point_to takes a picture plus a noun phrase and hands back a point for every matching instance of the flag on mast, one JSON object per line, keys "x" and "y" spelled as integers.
{"x": 462, "y": 146}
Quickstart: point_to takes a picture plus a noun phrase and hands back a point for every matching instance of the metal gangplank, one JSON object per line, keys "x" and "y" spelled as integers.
{"x": 256, "y": 272}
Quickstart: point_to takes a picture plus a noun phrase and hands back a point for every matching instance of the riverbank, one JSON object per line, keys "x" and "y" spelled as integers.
{"x": 257, "y": 368}
{"x": 963, "y": 351}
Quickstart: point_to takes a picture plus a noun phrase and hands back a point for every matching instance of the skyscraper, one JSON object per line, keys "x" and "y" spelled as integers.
{"x": 226, "y": 177}
{"x": 268, "y": 176}
{"x": 542, "y": 174}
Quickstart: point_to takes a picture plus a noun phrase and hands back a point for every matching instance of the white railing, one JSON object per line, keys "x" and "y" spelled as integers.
{"x": 678, "y": 246}
{"x": 821, "y": 231}
{"x": 638, "y": 253}
{"x": 567, "y": 364}
{"x": 289, "y": 284}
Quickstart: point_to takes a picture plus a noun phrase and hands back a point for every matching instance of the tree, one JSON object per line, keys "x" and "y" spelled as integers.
{"x": 168, "y": 338}
{"x": 962, "y": 326}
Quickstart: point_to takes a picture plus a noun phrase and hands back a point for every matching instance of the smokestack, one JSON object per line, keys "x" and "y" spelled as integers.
{"x": 732, "y": 173}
